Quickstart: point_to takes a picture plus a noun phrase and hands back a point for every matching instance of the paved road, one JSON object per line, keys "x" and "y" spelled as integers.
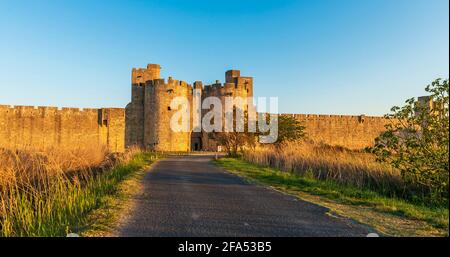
{"x": 189, "y": 196}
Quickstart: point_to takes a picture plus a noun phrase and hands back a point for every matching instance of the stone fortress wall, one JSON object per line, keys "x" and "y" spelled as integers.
{"x": 352, "y": 132}
{"x": 145, "y": 122}
{"x": 42, "y": 127}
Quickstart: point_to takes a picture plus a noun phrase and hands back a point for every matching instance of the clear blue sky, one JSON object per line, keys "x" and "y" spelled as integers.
{"x": 317, "y": 56}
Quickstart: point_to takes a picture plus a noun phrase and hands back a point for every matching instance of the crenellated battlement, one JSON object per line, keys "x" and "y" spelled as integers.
{"x": 331, "y": 116}
{"x": 142, "y": 75}
{"x": 169, "y": 82}
{"x": 51, "y": 109}
{"x": 219, "y": 89}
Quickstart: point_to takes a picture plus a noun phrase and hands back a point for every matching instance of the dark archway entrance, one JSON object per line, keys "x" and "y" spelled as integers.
{"x": 196, "y": 141}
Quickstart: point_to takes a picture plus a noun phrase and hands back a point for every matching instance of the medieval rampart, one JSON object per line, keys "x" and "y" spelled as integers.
{"x": 42, "y": 127}
{"x": 353, "y": 132}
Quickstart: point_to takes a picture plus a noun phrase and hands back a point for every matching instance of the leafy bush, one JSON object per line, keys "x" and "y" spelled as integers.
{"x": 289, "y": 130}
{"x": 417, "y": 140}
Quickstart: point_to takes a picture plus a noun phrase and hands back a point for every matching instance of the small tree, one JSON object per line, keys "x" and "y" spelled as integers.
{"x": 417, "y": 140}
{"x": 235, "y": 142}
{"x": 289, "y": 129}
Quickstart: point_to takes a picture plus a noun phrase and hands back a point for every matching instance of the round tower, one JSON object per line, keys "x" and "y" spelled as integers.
{"x": 158, "y": 112}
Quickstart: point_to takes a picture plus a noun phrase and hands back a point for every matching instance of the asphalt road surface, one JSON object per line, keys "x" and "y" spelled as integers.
{"x": 190, "y": 196}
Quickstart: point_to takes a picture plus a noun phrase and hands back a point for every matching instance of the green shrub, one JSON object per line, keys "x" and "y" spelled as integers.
{"x": 417, "y": 142}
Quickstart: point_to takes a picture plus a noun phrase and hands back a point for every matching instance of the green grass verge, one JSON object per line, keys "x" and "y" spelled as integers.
{"x": 330, "y": 192}
{"x": 66, "y": 205}
{"x": 106, "y": 220}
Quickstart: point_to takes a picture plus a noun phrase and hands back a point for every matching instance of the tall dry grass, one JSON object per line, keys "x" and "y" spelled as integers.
{"x": 324, "y": 162}
{"x": 43, "y": 192}
{"x": 21, "y": 166}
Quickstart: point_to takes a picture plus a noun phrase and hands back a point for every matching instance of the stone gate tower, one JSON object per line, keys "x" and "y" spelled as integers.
{"x": 148, "y": 114}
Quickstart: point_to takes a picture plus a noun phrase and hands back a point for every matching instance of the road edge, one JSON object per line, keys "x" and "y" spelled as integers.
{"x": 106, "y": 221}
{"x": 360, "y": 215}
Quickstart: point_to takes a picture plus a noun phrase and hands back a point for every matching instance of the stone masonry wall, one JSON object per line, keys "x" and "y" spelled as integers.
{"x": 145, "y": 121}
{"x": 353, "y": 132}
{"x": 43, "y": 127}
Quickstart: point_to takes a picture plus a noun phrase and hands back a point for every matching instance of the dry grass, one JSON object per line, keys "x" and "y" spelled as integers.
{"x": 329, "y": 163}
{"x": 24, "y": 166}
{"x": 44, "y": 192}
